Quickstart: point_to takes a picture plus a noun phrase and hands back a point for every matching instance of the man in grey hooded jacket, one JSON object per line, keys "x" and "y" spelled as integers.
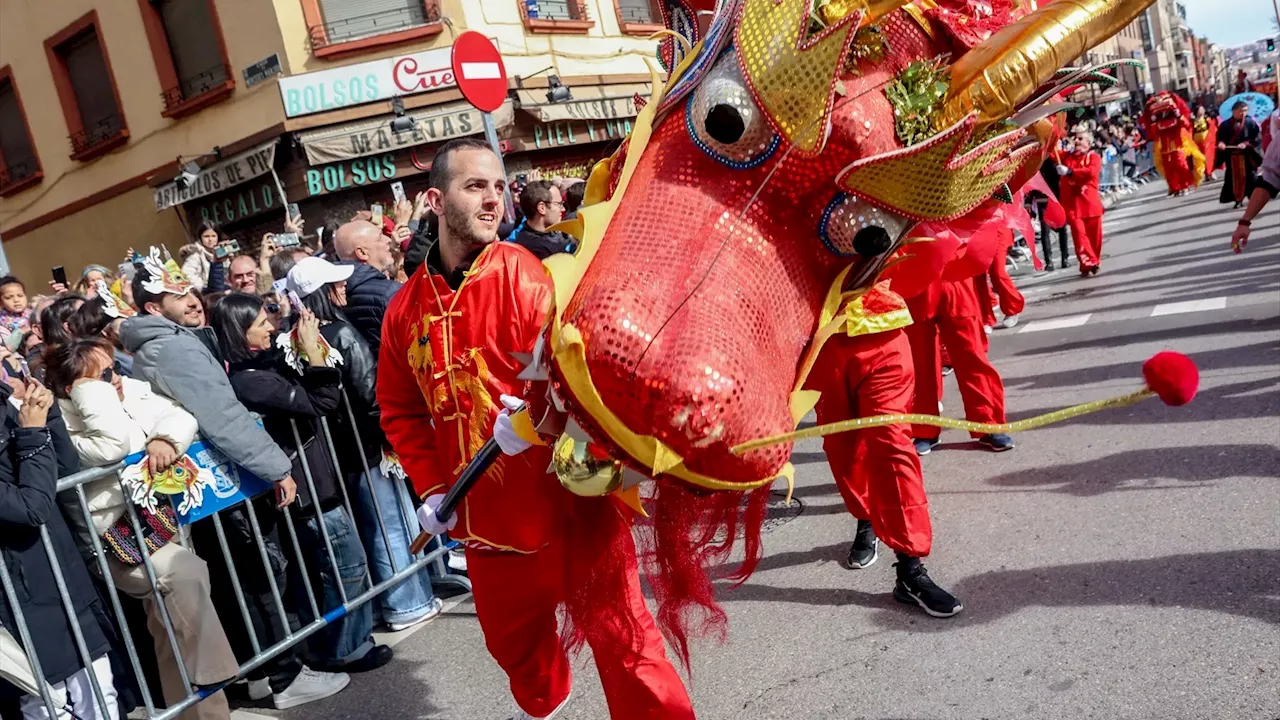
{"x": 178, "y": 357}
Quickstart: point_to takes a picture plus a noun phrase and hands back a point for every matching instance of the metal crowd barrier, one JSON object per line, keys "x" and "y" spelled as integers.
{"x": 434, "y": 558}
{"x": 1114, "y": 179}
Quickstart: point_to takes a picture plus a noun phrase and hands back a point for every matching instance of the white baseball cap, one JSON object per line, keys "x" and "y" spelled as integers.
{"x": 312, "y": 273}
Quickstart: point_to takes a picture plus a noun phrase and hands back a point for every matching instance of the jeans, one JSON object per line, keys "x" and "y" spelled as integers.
{"x": 348, "y": 638}
{"x": 77, "y": 693}
{"x": 411, "y": 599}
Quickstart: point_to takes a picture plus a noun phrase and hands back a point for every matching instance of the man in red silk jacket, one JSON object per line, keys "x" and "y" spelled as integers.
{"x": 1078, "y": 181}
{"x": 448, "y": 344}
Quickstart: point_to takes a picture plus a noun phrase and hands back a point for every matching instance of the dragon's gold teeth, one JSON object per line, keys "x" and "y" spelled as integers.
{"x": 791, "y": 77}
{"x": 1006, "y": 68}
{"x": 935, "y": 180}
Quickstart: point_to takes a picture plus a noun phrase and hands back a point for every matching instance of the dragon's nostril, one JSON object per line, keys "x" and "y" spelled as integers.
{"x": 871, "y": 241}
{"x": 725, "y": 124}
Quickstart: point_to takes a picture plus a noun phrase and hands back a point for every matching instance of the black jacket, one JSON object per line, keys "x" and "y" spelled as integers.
{"x": 28, "y": 479}
{"x": 276, "y": 392}
{"x": 544, "y": 244}
{"x": 359, "y": 381}
{"x": 368, "y": 293}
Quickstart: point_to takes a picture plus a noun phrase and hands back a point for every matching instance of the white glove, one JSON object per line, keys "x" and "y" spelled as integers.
{"x": 427, "y": 516}
{"x": 504, "y": 434}
{"x": 1064, "y": 170}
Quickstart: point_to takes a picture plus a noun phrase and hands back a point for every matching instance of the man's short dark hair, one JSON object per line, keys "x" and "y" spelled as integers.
{"x": 140, "y": 295}
{"x": 1239, "y": 104}
{"x": 439, "y": 177}
{"x": 538, "y": 191}
{"x": 573, "y": 196}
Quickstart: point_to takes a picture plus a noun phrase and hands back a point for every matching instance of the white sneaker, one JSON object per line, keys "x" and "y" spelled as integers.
{"x": 433, "y": 611}
{"x": 1009, "y": 321}
{"x": 457, "y": 560}
{"x": 309, "y": 686}
{"x": 522, "y": 715}
{"x": 259, "y": 689}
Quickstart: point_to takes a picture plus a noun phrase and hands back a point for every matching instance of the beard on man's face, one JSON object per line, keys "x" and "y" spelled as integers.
{"x": 465, "y": 229}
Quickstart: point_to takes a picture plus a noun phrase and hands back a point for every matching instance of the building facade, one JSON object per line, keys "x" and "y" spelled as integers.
{"x": 280, "y": 102}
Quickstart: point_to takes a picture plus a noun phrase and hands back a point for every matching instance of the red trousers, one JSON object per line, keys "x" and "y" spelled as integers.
{"x": 997, "y": 278}
{"x": 1086, "y": 235}
{"x": 950, "y": 312}
{"x": 1176, "y": 171}
{"x": 516, "y": 597}
{"x": 876, "y": 469}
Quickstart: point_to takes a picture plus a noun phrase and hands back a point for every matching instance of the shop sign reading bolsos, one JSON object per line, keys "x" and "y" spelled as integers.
{"x": 343, "y": 175}
{"x": 366, "y": 82}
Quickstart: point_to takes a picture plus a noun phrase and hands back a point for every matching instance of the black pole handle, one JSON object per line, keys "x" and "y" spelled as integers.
{"x": 471, "y": 474}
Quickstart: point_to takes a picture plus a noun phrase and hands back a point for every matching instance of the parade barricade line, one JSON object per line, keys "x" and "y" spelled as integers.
{"x": 322, "y": 617}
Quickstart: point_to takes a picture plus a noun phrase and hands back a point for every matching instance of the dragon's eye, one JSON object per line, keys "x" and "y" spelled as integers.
{"x": 724, "y": 121}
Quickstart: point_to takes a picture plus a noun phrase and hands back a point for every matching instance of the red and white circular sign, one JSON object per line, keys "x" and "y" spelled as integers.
{"x": 478, "y": 69}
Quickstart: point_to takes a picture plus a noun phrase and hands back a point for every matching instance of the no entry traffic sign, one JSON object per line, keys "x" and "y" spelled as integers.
{"x": 478, "y": 69}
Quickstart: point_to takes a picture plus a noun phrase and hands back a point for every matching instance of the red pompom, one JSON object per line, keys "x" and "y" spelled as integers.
{"x": 1173, "y": 376}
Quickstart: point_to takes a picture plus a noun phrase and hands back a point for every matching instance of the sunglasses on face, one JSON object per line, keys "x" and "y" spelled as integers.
{"x": 108, "y": 375}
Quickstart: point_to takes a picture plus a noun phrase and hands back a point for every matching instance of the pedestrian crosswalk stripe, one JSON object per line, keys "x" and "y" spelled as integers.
{"x": 1069, "y": 321}
{"x": 1189, "y": 306}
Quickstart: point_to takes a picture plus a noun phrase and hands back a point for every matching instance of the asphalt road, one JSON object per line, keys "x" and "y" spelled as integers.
{"x": 1124, "y": 565}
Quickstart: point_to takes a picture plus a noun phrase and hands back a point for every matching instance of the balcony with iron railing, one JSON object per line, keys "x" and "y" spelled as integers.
{"x": 18, "y": 175}
{"x": 388, "y": 27}
{"x": 556, "y": 16}
{"x": 99, "y": 137}
{"x": 198, "y": 91}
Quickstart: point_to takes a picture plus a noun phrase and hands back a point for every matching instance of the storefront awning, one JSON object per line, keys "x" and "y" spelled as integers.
{"x": 590, "y": 102}
{"x": 372, "y": 136}
{"x": 219, "y": 176}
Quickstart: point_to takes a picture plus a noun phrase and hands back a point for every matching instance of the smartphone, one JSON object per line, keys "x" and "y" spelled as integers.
{"x": 377, "y": 214}
{"x": 60, "y": 275}
{"x": 397, "y": 190}
{"x": 227, "y": 249}
{"x": 284, "y": 240}
{"x": 293, "y": 210}
{"x": 24, "y": 371}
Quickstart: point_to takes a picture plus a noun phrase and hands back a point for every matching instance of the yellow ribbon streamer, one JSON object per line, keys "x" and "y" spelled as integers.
{"x": 990, "y": 428}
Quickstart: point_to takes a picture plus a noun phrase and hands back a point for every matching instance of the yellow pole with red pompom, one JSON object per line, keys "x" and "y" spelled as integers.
{"x": 1171, "y": 376}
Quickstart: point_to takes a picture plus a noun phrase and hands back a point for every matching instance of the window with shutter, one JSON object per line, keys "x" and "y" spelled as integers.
{"x": 553, "y": 10}
{"x": 194, "y": 47}
{"x": 347, "y": 20}
{"x": 638, "y": 12}
{"x": 18, "y": 164}
{"x": 86, "y": 88}
{"x": 95, "y": 96}
{"x": 555, "y": 16}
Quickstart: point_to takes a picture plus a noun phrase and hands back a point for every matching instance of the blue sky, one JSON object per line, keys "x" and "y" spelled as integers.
{"x": 1231, "y": 22}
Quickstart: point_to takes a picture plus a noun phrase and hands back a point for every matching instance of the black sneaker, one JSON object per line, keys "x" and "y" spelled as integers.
{"x": 998, "y": 442}
{"x": 924, "y": 446}
{"x": 866, "y": 547}
{"x": 915, "y": 587}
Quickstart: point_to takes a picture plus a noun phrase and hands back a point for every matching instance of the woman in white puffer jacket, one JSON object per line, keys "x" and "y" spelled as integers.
{"x": 110, "y": 417}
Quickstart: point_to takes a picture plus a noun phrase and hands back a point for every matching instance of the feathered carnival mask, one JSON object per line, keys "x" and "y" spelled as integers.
{"x": 164, "y": 276}
{"x": 116, "y": 307}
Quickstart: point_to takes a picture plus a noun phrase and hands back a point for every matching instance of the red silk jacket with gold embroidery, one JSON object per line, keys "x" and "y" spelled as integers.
{"x": 446, "y": 359}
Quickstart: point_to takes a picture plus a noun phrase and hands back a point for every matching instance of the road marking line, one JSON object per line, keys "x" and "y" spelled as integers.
{"x": 1069, "y": 321}
{"x": 1189, "y": 306}
{"x": 246, "y": 715}
{"x": 481, "y": 71}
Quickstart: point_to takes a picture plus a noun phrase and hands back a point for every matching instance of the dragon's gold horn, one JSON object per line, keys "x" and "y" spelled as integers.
{"x": 872, "y": 10}
{"x": 1005, "y": 69}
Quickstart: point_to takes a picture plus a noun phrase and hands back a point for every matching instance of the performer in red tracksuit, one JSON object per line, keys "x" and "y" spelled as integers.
{"x": 865, "y": 369}
{"x": 1078, "y": 181}
{"x": 997, "y": 279}
{"x": 950, "y": 312}
{"x": 448, "y": 339}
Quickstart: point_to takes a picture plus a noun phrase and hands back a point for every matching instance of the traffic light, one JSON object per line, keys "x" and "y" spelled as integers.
{"x": 1271, "y": 44}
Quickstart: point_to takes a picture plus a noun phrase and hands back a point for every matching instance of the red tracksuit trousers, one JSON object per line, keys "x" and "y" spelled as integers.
{"x": 516, "y": 597}
{"x": 1086, "y": 235}
{"x": 876, "y": 469}
{"x": 950, "y": 312}
{"x": 997, "y": 278}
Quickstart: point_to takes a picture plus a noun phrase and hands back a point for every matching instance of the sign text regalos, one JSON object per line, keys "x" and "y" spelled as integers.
{"x": 367, "y": 82}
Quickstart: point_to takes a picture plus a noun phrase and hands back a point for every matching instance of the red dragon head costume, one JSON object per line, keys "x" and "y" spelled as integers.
{"x": 774, "y": 181}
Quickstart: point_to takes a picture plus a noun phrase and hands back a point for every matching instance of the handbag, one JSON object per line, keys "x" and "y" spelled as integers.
{"x": 158, "y": 528}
